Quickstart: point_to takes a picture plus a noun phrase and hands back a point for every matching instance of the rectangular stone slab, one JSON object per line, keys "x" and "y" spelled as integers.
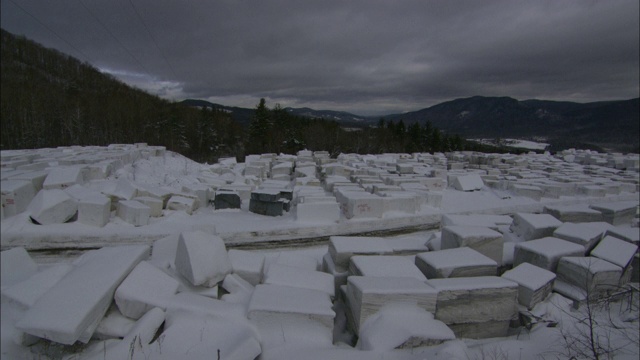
{"x": 83, "y": 296}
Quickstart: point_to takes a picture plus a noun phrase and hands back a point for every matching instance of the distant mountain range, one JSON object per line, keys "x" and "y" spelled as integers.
{"x": 611, "y": 124}
{"x": 243, "y": 115}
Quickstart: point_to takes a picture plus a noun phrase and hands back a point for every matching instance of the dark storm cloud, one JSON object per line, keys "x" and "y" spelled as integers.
{"x": 359, "y": 56}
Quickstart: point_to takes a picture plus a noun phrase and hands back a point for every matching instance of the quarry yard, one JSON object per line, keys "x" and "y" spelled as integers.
{"x": 131, "y": 251}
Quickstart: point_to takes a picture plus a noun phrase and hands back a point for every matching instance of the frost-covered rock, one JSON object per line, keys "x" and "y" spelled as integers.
{"x": 202, "y": 258}
{"x": 52, "y": 207}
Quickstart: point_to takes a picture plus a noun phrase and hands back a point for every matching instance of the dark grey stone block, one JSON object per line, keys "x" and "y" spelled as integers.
{"x": 227, "y": 200}
{"x": 268, "y": 208}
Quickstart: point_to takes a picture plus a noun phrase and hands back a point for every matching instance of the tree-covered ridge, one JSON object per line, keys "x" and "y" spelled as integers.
{"x": 50, "y": 99}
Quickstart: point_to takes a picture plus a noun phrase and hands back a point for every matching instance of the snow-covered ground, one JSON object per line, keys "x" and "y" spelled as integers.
{"x": 515, "y": 143}
{"x": 272, "y": 301}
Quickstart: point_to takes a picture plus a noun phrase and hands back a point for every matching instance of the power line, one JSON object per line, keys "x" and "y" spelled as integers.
{"x": 114, "y": 37}
{"x": 152, "y": 38}
{"x": 53, "y": 32}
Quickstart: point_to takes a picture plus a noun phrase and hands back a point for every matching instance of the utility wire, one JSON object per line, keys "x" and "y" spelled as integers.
{"x": 114, "y": 37}
{"x": 152, "y": 38}
{"x": 53, "y": 32}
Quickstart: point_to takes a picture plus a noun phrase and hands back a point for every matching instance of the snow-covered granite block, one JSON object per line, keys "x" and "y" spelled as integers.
{"x": 322, "y": 212}
{"x": 74, "y": 307}
{"x": 476, "y": 307}
{"x": 52, "y": 207}
{"x": 367, "y": 294}
{"x": 16, "y": 196}
{"x": 402, "y": 326}
{"x": 617, "y": 213}
{"x": 270, "y": 302}
{"x": 183, "y": 203}
{"x": 133, "y": 212}
{"x": 27, "y": 292}
{"x": 400, "y": 201}
{"x": 301, "y": 278}
{"x": 618, "y": 252}
{"x": 342, "y": 248}
{"x": 470, "y": 182}
{"x": 545, "y": 252}
{"x": 35, "y": 177}
{"x": 628, "y": 234}
{"x": 534, "y": 283}
{"x": 155, "y": 205}
{"x": 458, "y": 262}
{"x": 94, "y": 210}
{"x": 581, "y": 234}
{"x": 591, "y": 274}
{"x": 573, "y": 213}
{"x": 202, "y": 192}
{"x": 143, "y": 289}
{"x": 362, "y": 205}
{"x": 202, "y": 258}
{"x": 534, "y": 226}
{"x": 482, "y": 239}
{"x": 16, "y": 266}
{"x": 381, "y": 266}
{"x": 63, "y": 177}
{"x": 247, "y": 264}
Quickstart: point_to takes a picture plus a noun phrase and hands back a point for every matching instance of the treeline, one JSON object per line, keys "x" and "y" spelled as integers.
{"x": 50, "y": 99}
{"x": 276, "y": 131}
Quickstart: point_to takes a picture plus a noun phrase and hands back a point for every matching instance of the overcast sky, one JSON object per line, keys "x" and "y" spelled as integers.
{"x": 367, "y": 57}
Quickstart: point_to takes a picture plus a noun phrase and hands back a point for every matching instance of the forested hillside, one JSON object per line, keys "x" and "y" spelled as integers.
{"x": 50, "y": 99}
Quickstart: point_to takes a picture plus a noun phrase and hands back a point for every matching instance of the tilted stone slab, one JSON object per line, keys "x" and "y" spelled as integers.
{"x": 482, "y": 239}
{"x": 618, "y": 252}
{"x": 534, "y": 226}
{"x": 592, "y": 275}
{"x": 143, "y": 289}
{"x": 78, "y": 302}
{"x": 545, "y": 252}
{"x": 617, "y": 213}
{"x": 534, "y": 283}
{"x": 52, "y": 207}
{"x": 202, "y": 258}
{"x": 581, "y": 234}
